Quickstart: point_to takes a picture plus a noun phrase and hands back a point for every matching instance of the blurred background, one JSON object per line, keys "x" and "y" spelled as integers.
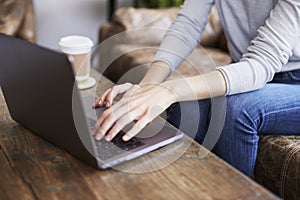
{"x": 57, "y": 18}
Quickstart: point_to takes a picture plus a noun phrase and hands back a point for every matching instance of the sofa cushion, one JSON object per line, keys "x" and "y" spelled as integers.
{"x": 17, "y": 19}
{"x": 156, "y": 22}
{"x": 278, "y": 165}
{"x": 133, "y": 61}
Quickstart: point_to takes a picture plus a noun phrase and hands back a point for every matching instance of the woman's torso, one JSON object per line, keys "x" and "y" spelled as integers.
{"x": 241, "y": 19}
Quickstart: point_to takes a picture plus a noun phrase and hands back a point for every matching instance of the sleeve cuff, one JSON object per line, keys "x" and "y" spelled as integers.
{"x": 225, "y": 75}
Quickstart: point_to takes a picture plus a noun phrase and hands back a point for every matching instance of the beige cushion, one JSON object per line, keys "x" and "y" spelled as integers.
{"x": 156, "y": 23}
{"x": 17, "y": 19}
{"x": 131, "y": 61}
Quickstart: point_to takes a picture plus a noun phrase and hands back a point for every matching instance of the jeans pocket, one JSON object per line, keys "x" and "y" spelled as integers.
{"x": 295, "y": 75}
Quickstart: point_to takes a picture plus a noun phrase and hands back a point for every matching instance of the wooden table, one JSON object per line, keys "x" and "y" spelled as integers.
{"x": 31, "y": 168}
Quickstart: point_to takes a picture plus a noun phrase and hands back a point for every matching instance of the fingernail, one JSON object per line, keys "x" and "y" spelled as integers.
{"x": 125, "y": 137}
{"x": 108, "y": 138}
{"x": 98, "y": 137}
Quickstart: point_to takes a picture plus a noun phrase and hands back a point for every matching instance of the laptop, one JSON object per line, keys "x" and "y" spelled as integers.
{"x": 40, "y": 91}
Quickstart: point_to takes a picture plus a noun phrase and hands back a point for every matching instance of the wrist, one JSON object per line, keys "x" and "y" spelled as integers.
{"x": 170, "y": 91}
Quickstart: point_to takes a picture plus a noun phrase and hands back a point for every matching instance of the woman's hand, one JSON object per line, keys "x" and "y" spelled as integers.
{"x": 142, "y": 104}
{"x": 109, "y": 95}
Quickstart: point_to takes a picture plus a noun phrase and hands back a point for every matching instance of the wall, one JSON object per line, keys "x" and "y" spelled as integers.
{"x": 57, "y": 18}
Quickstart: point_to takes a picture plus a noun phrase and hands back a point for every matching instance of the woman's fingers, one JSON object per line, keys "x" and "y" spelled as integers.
{"x": 109, "y": 95}
{"x": 101, "y": 100}
{"x": 144, "y": 105}
{"x": 118, "y": 89}
{"x": 123, "y": 121}
{"x": 137, "y": 127}
{"x": 112, "y": 112}
{"x": 111, "y": 115}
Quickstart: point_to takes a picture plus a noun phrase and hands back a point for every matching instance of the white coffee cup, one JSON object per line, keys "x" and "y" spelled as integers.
{"x": 79, "y": 48}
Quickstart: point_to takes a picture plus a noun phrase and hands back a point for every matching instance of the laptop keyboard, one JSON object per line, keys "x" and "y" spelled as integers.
{"x": 117, "y": 146}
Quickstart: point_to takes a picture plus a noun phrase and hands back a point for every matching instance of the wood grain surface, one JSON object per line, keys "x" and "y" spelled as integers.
{"x": 31, "y": 168}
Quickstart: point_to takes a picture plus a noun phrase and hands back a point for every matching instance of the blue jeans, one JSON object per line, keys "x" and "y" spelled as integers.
{"x": 274, "y": 109}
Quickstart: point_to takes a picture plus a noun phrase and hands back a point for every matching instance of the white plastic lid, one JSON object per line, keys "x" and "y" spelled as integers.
{"x": 75, "y": 44}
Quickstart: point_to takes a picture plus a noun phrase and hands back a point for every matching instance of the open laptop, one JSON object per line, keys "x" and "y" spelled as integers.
{"x": 38, "y": 86}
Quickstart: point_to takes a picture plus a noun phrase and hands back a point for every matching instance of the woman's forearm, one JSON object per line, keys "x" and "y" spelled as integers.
{"x": 157, "y": 73}
{"x": 198, "y": 87}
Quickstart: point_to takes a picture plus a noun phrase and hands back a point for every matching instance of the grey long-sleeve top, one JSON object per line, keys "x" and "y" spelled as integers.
{"x": 263, "y": 38}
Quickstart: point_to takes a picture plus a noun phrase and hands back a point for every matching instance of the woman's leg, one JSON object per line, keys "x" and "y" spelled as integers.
{"x": 191, "y": 117}
{"x": 275, "y": 109}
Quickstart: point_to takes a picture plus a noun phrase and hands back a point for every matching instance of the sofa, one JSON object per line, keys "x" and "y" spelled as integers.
{"x": 278, "y": 162}
{"x": 135, "y": 50}
{"x": 17, "y": 19}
